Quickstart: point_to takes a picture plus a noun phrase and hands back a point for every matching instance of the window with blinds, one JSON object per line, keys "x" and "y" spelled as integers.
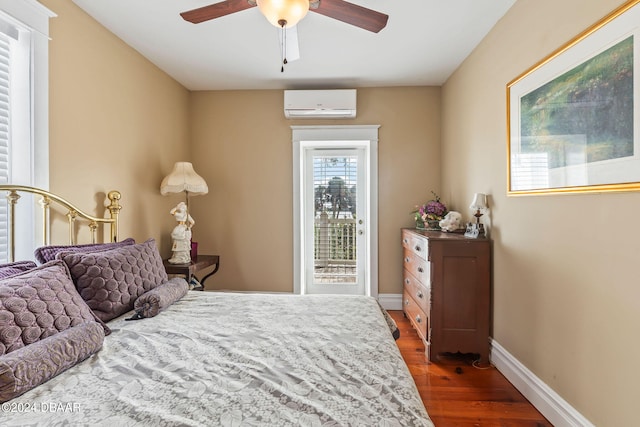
{"x": 5, "y": 136}
{"x": 24, "y": 116}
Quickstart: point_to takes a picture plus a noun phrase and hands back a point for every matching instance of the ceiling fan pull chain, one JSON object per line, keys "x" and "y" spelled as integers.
{"x": 283, "y": 23}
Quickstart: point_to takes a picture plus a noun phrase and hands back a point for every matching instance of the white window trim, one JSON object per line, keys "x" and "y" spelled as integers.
{"x": 35, "y": 16}
{"x": 368, "y": 133}
{"x": 33, "y": 19}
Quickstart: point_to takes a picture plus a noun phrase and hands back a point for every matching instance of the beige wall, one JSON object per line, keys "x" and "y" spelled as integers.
{"x": 566, "y": 290}
{"x": 116, "y": 122}
{"x": 242, "y": 147}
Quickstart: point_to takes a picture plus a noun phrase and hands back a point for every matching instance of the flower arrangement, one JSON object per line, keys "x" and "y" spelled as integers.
{"x": 430, "y": 213}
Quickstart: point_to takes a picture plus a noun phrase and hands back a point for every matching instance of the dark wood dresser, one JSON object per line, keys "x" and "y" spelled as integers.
{"x": 447, "y": 291}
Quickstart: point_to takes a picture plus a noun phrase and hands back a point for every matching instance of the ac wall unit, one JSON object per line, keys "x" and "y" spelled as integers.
{"x": 314, "y": 104}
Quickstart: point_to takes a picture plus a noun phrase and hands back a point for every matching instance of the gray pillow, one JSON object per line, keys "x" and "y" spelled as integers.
{"x": 30, "y": 366}
{"x": 48, "y": 253}
{"x": 39, "y": 303}
{"x": 153, "y": 302}
{"x": 110, "y": 281}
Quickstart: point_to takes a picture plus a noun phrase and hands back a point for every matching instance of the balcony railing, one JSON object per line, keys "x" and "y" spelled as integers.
{"x": 335, "y": 249}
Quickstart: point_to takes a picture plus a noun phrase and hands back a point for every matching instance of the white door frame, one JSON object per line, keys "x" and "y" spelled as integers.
{"x": 353, "y": 150}
{"x": 330, "y": 137}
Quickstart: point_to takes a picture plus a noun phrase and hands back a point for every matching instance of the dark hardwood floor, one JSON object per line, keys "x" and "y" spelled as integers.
{"x": 456, "y": 393}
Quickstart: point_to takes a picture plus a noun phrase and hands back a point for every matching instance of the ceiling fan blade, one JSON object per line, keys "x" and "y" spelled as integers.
{"x": 216, "y": 10}
{"x": 353, "y": 14}
{"x": 291, "y": 48}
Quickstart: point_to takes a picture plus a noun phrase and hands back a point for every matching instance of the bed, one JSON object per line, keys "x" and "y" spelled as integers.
{"x": 190, "y": 358}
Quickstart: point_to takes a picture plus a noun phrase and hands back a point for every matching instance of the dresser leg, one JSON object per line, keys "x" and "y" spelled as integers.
{"x": 484, "y": 358}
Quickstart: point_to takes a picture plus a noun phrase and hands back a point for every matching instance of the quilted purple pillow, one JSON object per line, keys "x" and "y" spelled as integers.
{"x": 39, "y": 303}
{"x": 30, "y": 366}
{"x": 110, "y": 281}
{"x": 17, "y": 267}
{"x": 48, "y": 253}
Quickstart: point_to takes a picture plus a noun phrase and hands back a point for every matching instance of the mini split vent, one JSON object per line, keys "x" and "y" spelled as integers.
{"x": 325, "y": 104}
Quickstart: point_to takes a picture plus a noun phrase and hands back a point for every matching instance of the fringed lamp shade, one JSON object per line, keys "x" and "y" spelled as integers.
{"x": 479, "y": 203}
{"x": 183, "y": 178}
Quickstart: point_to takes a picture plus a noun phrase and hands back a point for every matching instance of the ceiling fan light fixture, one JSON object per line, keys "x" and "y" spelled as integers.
{"x": 289, "y": 11}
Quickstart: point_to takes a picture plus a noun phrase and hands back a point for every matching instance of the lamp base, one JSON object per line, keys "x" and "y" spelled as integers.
{"x": 181, "y": 249}
{"x": 180, "y": 258}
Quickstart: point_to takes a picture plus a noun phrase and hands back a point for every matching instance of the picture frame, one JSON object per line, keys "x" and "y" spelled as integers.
{"x": 573, "y": 119}
{"x": 474, "y": 230}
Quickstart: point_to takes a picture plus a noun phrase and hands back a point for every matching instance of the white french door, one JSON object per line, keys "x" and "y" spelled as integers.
{"x": 334, "y": 226}
{"x": 335, "y": 210}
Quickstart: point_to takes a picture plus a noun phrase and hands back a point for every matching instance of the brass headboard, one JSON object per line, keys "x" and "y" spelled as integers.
{"x": 73, "y": 213}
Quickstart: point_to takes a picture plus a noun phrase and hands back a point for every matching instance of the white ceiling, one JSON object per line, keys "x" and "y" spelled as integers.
{"x": 422, "y": 44}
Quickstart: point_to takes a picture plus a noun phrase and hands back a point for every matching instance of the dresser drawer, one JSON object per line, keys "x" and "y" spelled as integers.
{"x": 417, "y": 266}
{"x": 416, "y": 315}
{"x": 416, "y": 244}
{"x": 419, "y": 293}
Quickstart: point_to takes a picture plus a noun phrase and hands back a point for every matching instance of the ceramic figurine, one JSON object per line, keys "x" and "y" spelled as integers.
{"x": 451, "y": 221}
{"x": 181, "y": 235}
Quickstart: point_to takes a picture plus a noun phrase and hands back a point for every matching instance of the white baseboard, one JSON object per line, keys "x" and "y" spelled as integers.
{"x": 390, "y": 301}
{"x": 558, "y": 411}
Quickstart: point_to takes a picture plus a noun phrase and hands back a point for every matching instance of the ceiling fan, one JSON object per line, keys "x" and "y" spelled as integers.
{"x": 341, "y": 10}
{"x": 286, "y": 14}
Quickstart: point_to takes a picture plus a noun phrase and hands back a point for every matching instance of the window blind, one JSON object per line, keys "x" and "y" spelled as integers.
{"x": 5, "y": 137}
{"x": 24, "y": 115}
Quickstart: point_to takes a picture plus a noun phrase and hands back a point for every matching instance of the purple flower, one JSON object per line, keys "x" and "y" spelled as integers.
{"x": 436, "y": 208}
{"x": 433, "y": 210}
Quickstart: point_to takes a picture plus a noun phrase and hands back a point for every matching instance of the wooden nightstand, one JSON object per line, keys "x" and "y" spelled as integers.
{"x": 197, "y": 264}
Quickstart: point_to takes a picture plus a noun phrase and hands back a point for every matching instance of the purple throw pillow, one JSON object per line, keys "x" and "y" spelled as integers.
{"x": 14, "y": 268}
{"x": 39, "y": 303}
{"x": 48, "y": 253}
{"x": 157, "y": 299}
{"x": 30, "y": 366}
{"x": 110, "y": 281}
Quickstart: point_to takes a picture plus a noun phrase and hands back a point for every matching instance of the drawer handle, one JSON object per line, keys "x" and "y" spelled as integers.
{"x": 407, "y": 281}
{"x": 419, "y": 294}
{"x": 405, "y": 240}
{"x": 418, "y": 249}
{"x": 406, "y": 302}
{"x": 407, "y": 259}
{"x": 420, "y": 270}
{"x": 418, "y": 319}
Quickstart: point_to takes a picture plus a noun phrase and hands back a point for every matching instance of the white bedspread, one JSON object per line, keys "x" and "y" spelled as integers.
{"x": 236, "y": 360}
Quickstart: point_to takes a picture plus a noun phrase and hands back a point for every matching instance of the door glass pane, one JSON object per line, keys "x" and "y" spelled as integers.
{"x": 334, "y": 186}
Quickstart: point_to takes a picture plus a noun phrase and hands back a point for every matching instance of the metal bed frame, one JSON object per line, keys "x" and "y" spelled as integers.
{"x": 73, "y": 213}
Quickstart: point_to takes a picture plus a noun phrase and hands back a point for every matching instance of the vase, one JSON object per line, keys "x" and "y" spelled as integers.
{"x": 420, "y": 225}
{"x": 433, "y": 224}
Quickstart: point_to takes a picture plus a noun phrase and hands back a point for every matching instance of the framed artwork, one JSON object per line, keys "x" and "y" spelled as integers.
{"x": 574, "y": 118}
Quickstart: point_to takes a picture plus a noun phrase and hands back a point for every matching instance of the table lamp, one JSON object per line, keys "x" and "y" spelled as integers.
{"x": 183, "y": 179}
{"x": 479, "y": 205}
